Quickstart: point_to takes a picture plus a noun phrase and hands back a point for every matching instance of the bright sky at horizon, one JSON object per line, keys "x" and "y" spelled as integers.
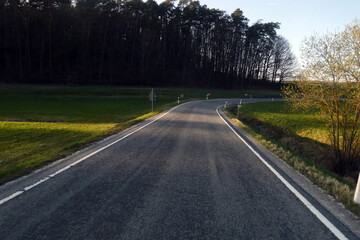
{"x": 299, "y": 19}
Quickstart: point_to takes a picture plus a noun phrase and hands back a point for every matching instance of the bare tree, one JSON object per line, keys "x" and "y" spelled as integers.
{"x": 329, "y": 81}
{"x": 284, "y": 61}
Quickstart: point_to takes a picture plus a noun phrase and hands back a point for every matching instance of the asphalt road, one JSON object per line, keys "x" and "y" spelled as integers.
{"x": 186, "y": 175}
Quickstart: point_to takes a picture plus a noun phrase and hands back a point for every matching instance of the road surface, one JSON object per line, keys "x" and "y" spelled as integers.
{"x": 185, "y": 175}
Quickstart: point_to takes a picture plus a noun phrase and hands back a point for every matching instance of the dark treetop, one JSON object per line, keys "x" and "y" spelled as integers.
{"x": 137, "y": 43}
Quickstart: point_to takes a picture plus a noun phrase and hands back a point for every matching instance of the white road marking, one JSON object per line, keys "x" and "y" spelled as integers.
{"x": 59, "y": 171}
{"x": 10, "y": 197}
{"x": 4, "y": 200}
{"x": 311, "y": 207}
{"x": 37, "y": 183}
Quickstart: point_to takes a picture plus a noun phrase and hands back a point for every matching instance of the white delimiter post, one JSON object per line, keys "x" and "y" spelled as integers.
{"x": 357, "y": 192}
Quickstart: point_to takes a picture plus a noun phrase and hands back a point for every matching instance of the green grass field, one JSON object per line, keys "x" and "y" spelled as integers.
{"x": 39, "y": 124}
{"x": 280, "y": 116}
{"x": 305, "y": 133}
{"x": 75, "y": 109}
{"x": 35, "y": 130}
{"x": 25, "y": 146}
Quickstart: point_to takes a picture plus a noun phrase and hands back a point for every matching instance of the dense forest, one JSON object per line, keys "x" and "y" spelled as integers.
{"x": 137, "y": 43}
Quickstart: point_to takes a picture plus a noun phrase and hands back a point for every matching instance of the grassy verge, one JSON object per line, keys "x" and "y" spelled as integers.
{"x": 39, "y": 124}
{"x": 267, "y": 123}
{"x": 25, "y": 146}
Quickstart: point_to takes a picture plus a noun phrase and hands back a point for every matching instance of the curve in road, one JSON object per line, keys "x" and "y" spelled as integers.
{"x": 183, "y": 175}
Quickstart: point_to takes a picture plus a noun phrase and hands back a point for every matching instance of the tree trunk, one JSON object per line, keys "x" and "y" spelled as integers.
{"x": 41, "y": 70}
{"x": 102, "y": 54}
{"x": 20, "y": 66}
{"x": 50, "y": 50}
{"x": 27, "y": 46}
{"x": 5, "y": 43}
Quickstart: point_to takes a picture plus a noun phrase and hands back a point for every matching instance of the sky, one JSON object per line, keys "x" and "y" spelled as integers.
{"x": 298, "y": 18}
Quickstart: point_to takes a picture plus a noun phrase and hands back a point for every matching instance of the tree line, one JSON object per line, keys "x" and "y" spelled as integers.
{"x": 137, "y": 43}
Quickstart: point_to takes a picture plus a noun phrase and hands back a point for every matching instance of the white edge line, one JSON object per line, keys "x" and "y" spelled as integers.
{"x": 4, "y": 200}
{"x": 10, "y": 197}
{"x": 311, "y": 207}
{"x": 37, "y": 183}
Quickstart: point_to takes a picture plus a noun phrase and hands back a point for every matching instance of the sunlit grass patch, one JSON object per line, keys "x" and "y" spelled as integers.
{"x": 27, "y": 145}
{"x": 41, "y": 124}
{"x": 279, "y": 115}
